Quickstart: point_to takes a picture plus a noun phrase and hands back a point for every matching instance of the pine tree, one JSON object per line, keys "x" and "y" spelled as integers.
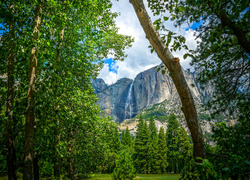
{"x": 162, "y": 151}
{"x": 171, "y": 138}
{"x": 116, "y": 144}
{"x": 124, "y": 167}
{"x": 141, "y": 147}
{"x": 127, "y": 140}
{"x": 152, "y": 128}
{"x": 123, "y": 137}
{"x": 146, "y": 140}
{"x": 185, "y": 149}
{"x": 153, "y": 155}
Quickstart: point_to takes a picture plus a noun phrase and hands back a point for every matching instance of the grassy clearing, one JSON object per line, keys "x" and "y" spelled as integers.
{"x": 140, "y": 176}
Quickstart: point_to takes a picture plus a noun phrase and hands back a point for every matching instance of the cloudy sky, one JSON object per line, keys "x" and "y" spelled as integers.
{"x": 139, "y": 56}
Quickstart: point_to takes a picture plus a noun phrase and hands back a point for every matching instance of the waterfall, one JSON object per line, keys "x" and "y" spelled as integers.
{"x": 128, "y": 102}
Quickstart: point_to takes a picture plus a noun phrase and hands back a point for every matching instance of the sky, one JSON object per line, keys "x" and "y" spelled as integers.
{"x": 139, "y": 55}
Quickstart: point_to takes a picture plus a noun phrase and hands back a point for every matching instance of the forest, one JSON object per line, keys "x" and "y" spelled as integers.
{"x": 51, "y": 126}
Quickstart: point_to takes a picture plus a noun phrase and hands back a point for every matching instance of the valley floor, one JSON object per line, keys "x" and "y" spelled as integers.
{"x": 140, "y": 176}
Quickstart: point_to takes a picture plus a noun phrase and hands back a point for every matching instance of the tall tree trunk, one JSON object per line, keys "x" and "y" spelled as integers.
{"x": 11, "y": 155}
{"x": 173, "y": 65}
{"x": 30, "y": 116}
{"x": 71, "y": 168}
{"x": 36, "y": 166}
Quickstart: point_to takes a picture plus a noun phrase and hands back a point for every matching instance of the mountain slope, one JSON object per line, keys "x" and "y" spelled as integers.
{"x": 126, "y": 98}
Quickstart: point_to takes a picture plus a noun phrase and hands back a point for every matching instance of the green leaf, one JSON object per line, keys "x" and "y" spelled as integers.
{"x": 165, "y": 18}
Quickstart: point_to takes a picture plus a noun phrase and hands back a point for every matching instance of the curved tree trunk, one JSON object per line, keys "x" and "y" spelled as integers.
{"x": 30, "y": 116}
{"x": 11, "y": 154}
{"x": 173, "y": 65}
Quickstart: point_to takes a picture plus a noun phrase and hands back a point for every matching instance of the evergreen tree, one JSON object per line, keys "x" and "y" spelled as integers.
{"x": 116, "y": 144}
{"x": 146, "y": 140}
{"x": 141, "y": 147}
{"x": 153, "y": 155}
{"x": 127, "y": 139}
{"x": 123, "y": 137}
{"x": 185, "y": 149}
{"x": 124, "y": 167}
{"x": 162, "y": 151}
{"x": 152, "y": 128}
{"x": 171, "y": 139}
{"x": 111, "y": 147}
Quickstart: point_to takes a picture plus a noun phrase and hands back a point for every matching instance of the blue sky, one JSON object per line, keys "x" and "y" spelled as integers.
{"x": 2, "y": 29}
{"x": 110, "y": 62}
{"x": 139, "y": 56}
{"x": 195, "y": 25}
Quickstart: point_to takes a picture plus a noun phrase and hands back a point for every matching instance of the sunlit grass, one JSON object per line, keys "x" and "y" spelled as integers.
{"x": 109, "y": 177}
{"x": 139, "y": 176}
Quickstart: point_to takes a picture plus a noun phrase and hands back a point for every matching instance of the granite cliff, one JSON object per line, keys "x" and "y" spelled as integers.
{"x": 126, "y": 98}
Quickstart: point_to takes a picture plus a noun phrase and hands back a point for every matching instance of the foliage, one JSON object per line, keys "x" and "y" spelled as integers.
{"x": 75, "y": 37}
{"x": 185, "y": 150}
{"x": 155, "y": 111}
{"x": 171, "y": 139}
{"x": 232, "y": 149}
{"x": 141, "y": 147}
{"x": 127, "y": 139}
{"x": 204, "y": 171}
{"x": 47, "y": 169}
{"x": 153, "y": 152}
{"x": 223, "y": 46}
{"x": 222, "y": 57}
{"x": 124, "y": 167}
{"x": 152, "y": 128}
{"x": 154, "y": 156}
{"x": 162, "y": 151}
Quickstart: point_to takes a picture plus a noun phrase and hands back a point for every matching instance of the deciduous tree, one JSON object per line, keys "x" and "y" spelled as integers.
{"x": 175, "y": 69}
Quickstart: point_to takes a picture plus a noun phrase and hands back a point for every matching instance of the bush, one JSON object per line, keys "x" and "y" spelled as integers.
{"x": 200, "y": 171}
{"x": 124, "y": 167}
{"x": 47, "y": 169}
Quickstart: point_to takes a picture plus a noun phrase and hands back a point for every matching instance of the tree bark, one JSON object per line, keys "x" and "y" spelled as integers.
{"x": 30, "y": 116}
{"x": 11, "y": 154}
{"x": 173, "y": 65}
{"x": 71, "y": 169}
{"x": 36, "y": 166}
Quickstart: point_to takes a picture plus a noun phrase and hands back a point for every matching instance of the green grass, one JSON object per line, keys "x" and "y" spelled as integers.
{"x": 140, "y": 176}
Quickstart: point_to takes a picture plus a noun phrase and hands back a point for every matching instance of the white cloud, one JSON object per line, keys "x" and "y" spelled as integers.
{"x": 139, "y": 56}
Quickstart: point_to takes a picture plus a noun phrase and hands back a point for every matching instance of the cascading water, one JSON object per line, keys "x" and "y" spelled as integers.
{"x": 128, "y": 102}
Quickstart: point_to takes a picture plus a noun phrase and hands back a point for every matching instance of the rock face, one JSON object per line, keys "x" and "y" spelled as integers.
{"x": 112, "y": 99}
{"x": 126, "y": 98}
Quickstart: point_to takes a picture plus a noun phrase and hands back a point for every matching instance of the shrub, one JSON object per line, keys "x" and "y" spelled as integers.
{"x": 124, "y": 167}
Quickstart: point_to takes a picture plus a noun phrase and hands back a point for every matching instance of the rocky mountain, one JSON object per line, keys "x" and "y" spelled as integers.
{"x": 126, "y": 98}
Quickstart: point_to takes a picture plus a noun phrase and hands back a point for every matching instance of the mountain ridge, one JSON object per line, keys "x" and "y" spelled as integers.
{"x": 149, "y": 87}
